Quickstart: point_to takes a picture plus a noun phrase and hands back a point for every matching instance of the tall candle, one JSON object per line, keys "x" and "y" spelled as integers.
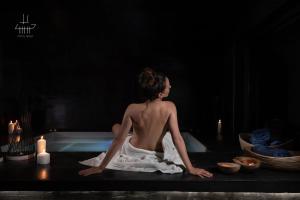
{"x": 43, "y": 158}
{"x": 41, "y": 145}
{"x": 219, "y": 130}
{"x": 219, "y": 126}
{"x": 11, "y": 127}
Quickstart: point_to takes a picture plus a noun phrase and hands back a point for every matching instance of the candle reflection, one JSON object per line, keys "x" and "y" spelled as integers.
{"x": 18, "y": 138}
{"x": 43, "y": 174}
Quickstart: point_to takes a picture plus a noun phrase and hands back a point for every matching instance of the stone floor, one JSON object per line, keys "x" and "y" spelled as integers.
{"x": 131, "y": 195}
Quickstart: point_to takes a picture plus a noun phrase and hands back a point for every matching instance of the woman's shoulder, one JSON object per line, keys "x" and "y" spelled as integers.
{"x": 170, "y": 104}
{"x": 134, "y": 106}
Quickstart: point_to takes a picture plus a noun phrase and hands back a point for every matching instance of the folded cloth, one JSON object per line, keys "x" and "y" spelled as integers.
{"x": 263, "y": 137}
{"x": 260, "y": 137}
{"x": 275, "y": 142}
{"x": 130, "y": 158}
{"x": 269, "y": 151}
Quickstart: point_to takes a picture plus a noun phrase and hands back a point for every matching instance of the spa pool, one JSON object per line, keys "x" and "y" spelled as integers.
{"x": 99, "y": 141}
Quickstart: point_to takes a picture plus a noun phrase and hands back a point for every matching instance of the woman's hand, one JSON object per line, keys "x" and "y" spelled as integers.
{"x": 200, "y": 172}
{"x": 89, "y": 171}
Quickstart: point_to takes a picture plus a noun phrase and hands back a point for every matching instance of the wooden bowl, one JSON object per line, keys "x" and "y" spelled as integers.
{"x": 247, "y": 163}
{"x": 228, "y": 167}
{"x": 291, "y": 163}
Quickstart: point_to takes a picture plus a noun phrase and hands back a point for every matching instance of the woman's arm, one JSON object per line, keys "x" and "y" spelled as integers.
{"x": 180, "y": 145}
{"x": 116, "y": 144}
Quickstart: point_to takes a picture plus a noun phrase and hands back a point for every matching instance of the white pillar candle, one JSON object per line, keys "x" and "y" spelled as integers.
{"x": 219, "y": 131}
{"x": 219, "y": 126}
{"x": 11, "y": 127}
{"x": 43, "y": 158}
{"x": 41, "y": 145}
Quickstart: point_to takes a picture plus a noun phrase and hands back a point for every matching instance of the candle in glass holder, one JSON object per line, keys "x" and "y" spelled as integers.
{"x": 41, "y": 145}
{"x": 43, "y": 158}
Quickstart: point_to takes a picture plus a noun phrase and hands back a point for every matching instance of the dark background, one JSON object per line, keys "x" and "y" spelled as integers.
{"x": 232, "y": 60}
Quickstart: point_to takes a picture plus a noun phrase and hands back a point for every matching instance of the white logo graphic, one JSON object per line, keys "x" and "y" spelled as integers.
{"x": 25, "y": 28}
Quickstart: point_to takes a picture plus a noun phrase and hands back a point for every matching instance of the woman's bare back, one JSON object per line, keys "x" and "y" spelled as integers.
{"x": 149, "y": 121}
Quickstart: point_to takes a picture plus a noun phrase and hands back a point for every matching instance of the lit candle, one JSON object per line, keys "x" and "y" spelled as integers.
{"x": 219, "y": 130}
{"x": 43, "y": 158}
{"x": 16, "y": 125}
{"x": 11, "y": 127}
{"x": 41, "y": 145}
{"x": 219, "y": 126}
{"x": 19, "y": 129}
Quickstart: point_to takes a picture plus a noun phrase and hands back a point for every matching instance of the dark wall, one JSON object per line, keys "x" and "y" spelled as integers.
{"x": 269, "y": 58}
{"x": 79, "y": 70}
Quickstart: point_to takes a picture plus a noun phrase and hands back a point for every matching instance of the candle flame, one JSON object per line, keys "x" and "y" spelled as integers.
{"x": 43, "y": 151}
{"x": 42, "y": 137}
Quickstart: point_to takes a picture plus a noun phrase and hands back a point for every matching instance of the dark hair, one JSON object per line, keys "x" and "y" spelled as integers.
{"x": 151, "y": 83}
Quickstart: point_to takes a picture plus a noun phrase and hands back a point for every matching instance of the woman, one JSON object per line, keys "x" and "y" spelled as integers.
{"x": 150, "y": 121}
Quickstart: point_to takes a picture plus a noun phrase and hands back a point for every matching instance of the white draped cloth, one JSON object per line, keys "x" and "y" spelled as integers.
{"x": 130, "y": 158}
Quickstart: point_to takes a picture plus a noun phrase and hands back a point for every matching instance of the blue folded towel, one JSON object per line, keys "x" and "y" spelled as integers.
{"x": 269, "y": 151}
{"x": 261, "y": 137}
{"x": 275, "y": 142}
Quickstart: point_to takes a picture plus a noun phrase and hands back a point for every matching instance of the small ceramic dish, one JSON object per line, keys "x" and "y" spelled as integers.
{"x": 247, "y": 163}
{"x": 228, "y": 167}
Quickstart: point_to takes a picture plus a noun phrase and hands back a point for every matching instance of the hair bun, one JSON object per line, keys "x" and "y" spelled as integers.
{"x": 151, "y": 83}
{"x": 147, "y": 78}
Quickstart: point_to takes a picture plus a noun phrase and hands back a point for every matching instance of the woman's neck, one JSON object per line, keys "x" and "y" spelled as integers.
{"x": 154, "y": 100}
